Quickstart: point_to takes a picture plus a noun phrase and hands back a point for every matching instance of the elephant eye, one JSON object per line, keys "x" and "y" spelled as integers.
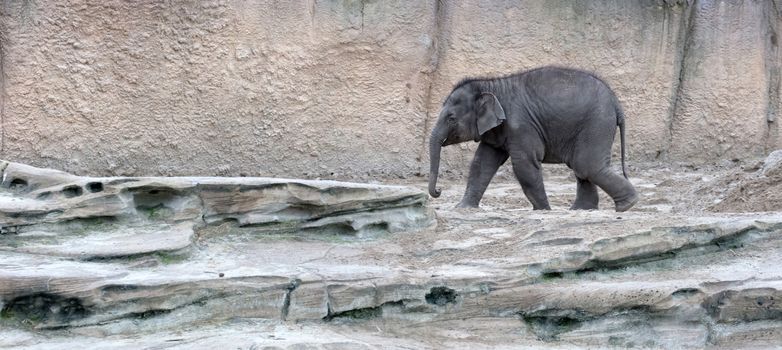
{"x": 451, "y": 118}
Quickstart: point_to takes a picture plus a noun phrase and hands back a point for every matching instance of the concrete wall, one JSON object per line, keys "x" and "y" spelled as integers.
{"x": 350, "y": 88}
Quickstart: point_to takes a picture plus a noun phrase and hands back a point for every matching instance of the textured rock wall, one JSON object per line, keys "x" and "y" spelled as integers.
{"x": 350, "y": 88}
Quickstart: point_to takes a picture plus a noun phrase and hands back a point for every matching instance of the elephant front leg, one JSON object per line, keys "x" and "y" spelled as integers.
{"x": 586, "y": 195}
{"x": 484, "y": 165}
{"x": 530, "y": 176}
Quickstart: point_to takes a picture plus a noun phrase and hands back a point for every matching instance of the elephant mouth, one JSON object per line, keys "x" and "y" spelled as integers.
{"x": 449, "y": 141}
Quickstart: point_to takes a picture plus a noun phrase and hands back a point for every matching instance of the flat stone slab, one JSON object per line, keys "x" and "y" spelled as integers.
{"x": 99, "y": 239}
{"x": 656, "y": 276}
{"x": 35, "y": 196}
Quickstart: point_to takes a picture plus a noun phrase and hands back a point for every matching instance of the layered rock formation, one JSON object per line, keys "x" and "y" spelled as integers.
{"x": 213, "y": 262}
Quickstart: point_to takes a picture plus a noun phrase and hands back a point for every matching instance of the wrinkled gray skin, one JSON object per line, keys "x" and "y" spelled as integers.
{"x": 545, "y": 115}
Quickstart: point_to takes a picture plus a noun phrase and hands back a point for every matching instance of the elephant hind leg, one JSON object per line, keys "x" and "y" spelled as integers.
{"x": 586, "y": 195}
{"x": 619, "y": 188}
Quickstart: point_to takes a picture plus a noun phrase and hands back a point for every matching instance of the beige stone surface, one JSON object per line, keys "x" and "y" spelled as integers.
{"x": 349, "y": 89}
{"x": 722, "y": 104}
{"x": 216, "y": 87}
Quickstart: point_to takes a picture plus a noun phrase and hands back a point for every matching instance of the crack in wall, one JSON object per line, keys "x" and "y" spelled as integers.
{"x": 772, "y": 65}
{"x": 311, "y": 8}
{"x": 429, "y": 71}
{"x": 363, "y": 4}
{"x": 684, "y": 41}
{"x": 2, "y": 89}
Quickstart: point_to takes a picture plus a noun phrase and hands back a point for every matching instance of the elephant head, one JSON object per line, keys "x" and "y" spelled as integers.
{"x": 468, "y": 112}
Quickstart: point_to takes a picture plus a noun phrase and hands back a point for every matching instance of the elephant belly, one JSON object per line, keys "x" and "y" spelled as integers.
{"x": 557, "y": 151}
{"x": 551, "y": 160}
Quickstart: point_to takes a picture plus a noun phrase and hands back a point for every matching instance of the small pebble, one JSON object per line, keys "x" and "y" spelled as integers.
{"x": 221, "y": 274}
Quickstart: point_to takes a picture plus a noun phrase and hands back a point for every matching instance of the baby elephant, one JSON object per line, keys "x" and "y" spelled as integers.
{"x": 545, "y": 115}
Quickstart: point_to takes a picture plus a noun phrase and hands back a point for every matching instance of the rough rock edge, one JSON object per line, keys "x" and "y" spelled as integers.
{"x": 33, "y": 198}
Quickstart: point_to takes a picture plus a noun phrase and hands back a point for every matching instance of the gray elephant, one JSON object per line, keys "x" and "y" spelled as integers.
{"x": 544, "y": 115}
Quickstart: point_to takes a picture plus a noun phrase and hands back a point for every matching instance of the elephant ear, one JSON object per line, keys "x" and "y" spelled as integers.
{"x": 490, "y": 112}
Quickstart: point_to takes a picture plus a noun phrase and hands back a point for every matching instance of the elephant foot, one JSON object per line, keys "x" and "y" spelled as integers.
{"x": 464, "y": 204}
{"x": 626, "y": 204}
{"x": 581, "y": 206}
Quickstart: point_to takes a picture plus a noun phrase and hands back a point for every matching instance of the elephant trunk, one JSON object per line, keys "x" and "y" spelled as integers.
{"x": 435, "y": 144}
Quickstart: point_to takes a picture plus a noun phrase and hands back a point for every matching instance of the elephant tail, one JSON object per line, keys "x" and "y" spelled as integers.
{"x": 620, "y": 121}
